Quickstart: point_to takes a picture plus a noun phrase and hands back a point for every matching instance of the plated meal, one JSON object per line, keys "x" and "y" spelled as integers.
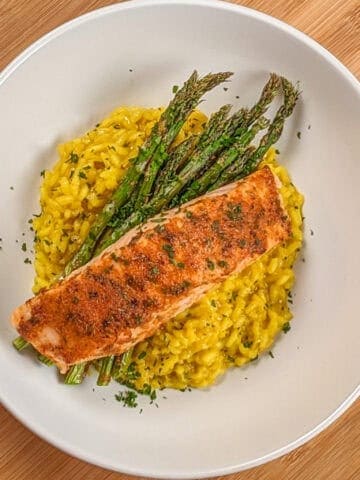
{"x": 165, "y": 244}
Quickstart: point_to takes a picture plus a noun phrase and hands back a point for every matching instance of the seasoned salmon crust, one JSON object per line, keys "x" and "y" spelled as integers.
{"x": 154, "y": 272}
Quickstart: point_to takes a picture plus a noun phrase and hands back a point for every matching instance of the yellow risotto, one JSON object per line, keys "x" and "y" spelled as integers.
{"x": 229, "y": 326}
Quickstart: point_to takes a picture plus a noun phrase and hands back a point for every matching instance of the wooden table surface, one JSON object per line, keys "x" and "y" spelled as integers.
{"x": 332, "y": 455}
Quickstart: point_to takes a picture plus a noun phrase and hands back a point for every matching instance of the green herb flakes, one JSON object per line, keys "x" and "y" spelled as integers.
{"x": 169, "y": 250}
{"x": 222, "y": 264}
{"x": 210, "y": 264}
{"x": 286, "y": 327}
{"x": 73, "y": 157}
{"x": 127, "y": 398}
{"x": 234, "y": 211}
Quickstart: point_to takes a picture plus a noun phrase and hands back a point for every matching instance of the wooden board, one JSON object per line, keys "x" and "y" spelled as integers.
{"x": 335, "y": 453}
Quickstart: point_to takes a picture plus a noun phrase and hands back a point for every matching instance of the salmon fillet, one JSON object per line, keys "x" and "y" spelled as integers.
{"x": 154, "y": 272}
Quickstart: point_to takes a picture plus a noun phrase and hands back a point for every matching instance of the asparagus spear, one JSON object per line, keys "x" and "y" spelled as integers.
{"x": 153, "y": 153}
{"x": 228, "y": 175}
{"x": 200, "y": 186}
{"x": 121, "y": 365}
{"x": 291, "y": 95}
{"x": 270, "y": 90}
{"x": 176, "y": 160}
{"x": 105, "y": 370}
{"x": 45, "y": 360}
{"x": 214, "y": 126}
{"x": 20, "y": 343}
{"x": 76, "y": 374}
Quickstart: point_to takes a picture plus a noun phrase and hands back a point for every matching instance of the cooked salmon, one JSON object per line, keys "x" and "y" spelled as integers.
{"x": 154, "y": 272}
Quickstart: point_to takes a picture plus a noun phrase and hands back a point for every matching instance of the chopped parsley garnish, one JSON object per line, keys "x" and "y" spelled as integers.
{"x": 114, "y": 257}
{"x": 82, "y": 174}
{"x": 154, "y": 270}
{"x": 175, "y": 88}
{"x": 271, "y": 354}
{"x": 169, "y": 250}
{"x": 213, "y": 303}
{"x": 210, "y": 264}
{"x": 215, "y": 225}
{"x": 242, "y": 243}
{"x": 159, "y": 228}
{"x": 142, "y": 355}
{"x": 42, "y": 173}
{"x": 234, "y": 211}
{"x": 23, "y": 247}
{"x": 188, "y": 214}
{"x": 27, "y": 260}
{"x": 222, "y": 264}
{"x": 73, "y": 158}
{"x": 286, "y": 327}
{"x": 247, "y": 344}
{"x": 298, "y": 135}
{"x": 180, "y": 264}
{"x": 127, "y": 398}
{"x": 178, "y": 288}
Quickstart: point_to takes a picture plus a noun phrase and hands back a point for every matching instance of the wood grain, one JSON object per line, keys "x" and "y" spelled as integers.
{"x": 332, "y": 455}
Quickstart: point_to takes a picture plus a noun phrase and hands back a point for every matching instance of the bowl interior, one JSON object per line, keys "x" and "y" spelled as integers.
{"x": 133, "y": 54}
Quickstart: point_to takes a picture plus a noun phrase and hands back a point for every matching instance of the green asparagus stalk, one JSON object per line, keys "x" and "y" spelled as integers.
{"x": 45, "y": 360}
{"x": 76, "y": 374}
{"x": 121, "y": 366}
{"x": 230, "y": 173}
{"x": 270, "y": 90}
{"x": 215, "y": 125}
{"x": 20, "y": 343}
{"x": 176, "y": 160}
{"x": 201, "y": 185}
{"x": 105, "y": 370}
{"x": 291, "y": 95}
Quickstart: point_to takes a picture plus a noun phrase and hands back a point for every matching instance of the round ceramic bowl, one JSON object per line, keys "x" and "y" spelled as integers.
{"x": 133, "y": 53}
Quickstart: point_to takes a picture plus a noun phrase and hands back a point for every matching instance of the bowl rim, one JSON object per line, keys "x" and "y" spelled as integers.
{"x": 353, "y": 82}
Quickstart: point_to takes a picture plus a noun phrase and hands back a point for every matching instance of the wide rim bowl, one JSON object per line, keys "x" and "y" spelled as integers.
{"x": 214, "y": 4}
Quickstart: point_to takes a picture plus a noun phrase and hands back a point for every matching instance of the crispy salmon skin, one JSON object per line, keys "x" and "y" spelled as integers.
{"x": 154, "y": 272}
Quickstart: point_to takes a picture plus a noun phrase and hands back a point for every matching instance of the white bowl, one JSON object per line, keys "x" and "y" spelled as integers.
{"x": 61, "y": 86}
